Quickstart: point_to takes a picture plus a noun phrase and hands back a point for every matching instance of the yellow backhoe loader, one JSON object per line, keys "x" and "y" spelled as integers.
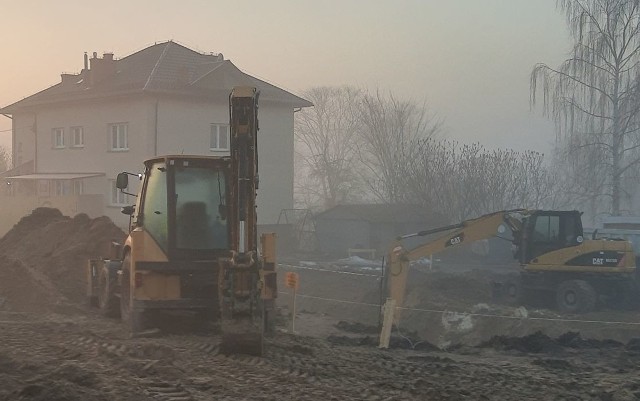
{"x": 193, "y": 241}
{"x": 555, "y": 259}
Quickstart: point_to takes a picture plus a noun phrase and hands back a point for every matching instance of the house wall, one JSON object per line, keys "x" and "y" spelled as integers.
{"x": 23, "y": 142}
{"x": 184, "y": 127}
{"x": 275, "y": 141}
{"x": 96, "y": 155}
{"x": 181, "y": 126}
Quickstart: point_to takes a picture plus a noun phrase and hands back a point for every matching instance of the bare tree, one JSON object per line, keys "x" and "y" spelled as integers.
{"x": 327, "y": 136}
{"x": 593, "y": 96}
{"x": 466, "y": 180}
{"x": 390, "y": 129}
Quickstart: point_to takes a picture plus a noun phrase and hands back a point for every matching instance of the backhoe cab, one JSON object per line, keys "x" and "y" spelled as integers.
{"x": 554, "y": 258}
{"x": 193, "y": 245}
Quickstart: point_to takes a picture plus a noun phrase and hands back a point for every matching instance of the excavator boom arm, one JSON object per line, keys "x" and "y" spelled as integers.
{"x": 483, "y": 227}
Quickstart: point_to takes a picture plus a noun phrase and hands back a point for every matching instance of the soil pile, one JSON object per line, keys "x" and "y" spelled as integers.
{"x": 541, "y": 343}
{"x": 43, "y": 258}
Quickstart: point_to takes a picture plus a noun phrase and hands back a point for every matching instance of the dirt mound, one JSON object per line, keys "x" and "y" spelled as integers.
{"x": 535, "y": 343}
{"x": 43, "y": 257}
{"x": 355, "y": 327}
{"x": 369, "y": 341}
{"x": 573, "y": 339}
{"x": 68, "y": 382}
{"x": 540, "y": 343}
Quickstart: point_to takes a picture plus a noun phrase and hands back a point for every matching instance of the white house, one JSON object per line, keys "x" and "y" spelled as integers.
{"x": 71, "y": 140}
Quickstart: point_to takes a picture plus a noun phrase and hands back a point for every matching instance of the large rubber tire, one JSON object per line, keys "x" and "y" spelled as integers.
{"x": 128, "y": 315}
{"x": 512, "y": 291}
{"x": 575, "y": 296}
{"x": 108, "y": 302}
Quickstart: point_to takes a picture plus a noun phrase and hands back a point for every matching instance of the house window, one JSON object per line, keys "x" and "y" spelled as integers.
{"x": 61, "y": 188}
{"x": 77, "y": 137}
{"x": 78, "y": 187}
{"x": 119, "y": 137}
{"x": 58, "y": 138}
{"x": 118, "y": 198}
{"x": 219, "y": 137}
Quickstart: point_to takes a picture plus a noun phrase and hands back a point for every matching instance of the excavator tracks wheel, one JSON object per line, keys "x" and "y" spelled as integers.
{"x": 107, "y": 299}
{"x": 128, "y": 315}
{"x": 512, "y": 291}
{"x": 575, "y": 296}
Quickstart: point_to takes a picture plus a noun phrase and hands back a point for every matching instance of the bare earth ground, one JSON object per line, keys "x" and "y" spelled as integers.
{"x": 53, "y": 347}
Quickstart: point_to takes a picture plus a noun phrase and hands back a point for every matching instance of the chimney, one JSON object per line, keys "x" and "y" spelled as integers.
{"x": 86, "y": 61}
{"x": 101, "y": 68}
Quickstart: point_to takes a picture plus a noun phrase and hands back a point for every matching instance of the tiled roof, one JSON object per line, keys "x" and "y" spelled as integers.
{"x": 166, "y": 67}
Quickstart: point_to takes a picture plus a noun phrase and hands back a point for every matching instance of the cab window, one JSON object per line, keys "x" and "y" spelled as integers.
{"x": 155, "y": 204}
{"x": 200, "y": 202}
{"x": 547, "y": 229}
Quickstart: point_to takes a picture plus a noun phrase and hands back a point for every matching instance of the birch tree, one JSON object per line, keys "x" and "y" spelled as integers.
{"x": 593, "y": 96}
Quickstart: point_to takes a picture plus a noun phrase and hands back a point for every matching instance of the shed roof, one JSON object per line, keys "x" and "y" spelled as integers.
{"x": 166, "y": 67}
{"x": 382, "y": 213}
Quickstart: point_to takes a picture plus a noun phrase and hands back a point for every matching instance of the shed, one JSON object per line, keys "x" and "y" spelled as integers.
{"x": 370, "y": 226}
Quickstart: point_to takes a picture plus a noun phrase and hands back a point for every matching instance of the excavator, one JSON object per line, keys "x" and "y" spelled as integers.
{"x": 554, "y": 257}
{"x": 193, "y": 243}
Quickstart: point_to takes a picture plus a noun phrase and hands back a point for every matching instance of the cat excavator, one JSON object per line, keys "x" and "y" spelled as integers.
{"x": 554, "y": 257}
{"x": 193, "y": 243}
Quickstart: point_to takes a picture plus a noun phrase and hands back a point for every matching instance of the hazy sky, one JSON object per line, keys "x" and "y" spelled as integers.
{"x": 470, "y": 59}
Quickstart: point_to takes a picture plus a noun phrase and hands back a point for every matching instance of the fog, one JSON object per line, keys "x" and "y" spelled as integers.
{"x": 470, "y": 60}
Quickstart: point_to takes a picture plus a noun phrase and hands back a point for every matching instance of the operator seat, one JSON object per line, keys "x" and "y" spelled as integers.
{"x": 193, "y": 227}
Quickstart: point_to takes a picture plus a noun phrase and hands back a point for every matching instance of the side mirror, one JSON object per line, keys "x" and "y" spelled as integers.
{"x": 122, "y": 181}
{"x": 128, "y": 210}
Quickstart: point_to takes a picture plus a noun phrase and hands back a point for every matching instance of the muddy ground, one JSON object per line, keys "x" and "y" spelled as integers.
{"x": 450, "y": 346}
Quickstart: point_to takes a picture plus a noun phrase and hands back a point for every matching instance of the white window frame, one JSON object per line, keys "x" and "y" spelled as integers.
{"x": 117, "y": 197}
{"x": 214, "y": 138}
{"x": 57, "y": 138}
{"x": 119, "y": 137}
{"x": 78, "y": 187}
{"x": 77, "y": 137}
{"x": 60, "y": 188}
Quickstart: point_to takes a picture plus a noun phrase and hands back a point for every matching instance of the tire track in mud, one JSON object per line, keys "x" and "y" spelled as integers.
{"x": 289, "y": 367}
{"x": 97, "y": 354}
{"x": 47, "y": 343}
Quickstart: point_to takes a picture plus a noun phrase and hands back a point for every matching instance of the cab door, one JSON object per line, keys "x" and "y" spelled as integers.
{"x": 547, "y": 231}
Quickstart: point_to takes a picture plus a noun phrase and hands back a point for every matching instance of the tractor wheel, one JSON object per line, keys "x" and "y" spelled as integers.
{"x": 575, "y": 296}
{"x": 107, "y": 299}
{"x": 512, "y": 291}
{"x": 128, "y": 315}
